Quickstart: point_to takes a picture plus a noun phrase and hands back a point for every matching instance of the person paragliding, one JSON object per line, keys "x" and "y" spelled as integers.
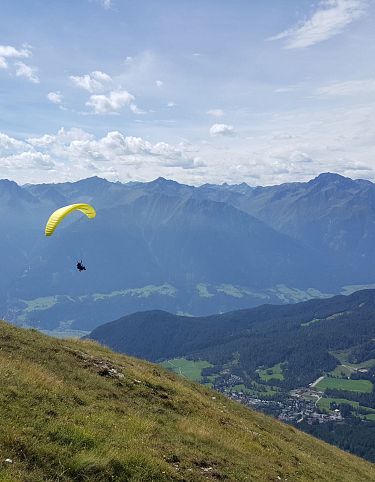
{"x": 80, "y": 266}
{"x": 58, "y": 215}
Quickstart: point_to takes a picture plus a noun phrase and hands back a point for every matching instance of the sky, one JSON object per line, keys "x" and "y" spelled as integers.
{"x": 199, "y": 91}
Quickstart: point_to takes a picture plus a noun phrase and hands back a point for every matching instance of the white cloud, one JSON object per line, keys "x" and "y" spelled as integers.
{"x": 215, "y": 112}
{"x": 87, "y": 152}
{"x": 29, "y": 160}
{"x": 135, "y": 109}
{"x": 293, "y": 156}
{"x": 55, "y": 97}
{"x": 95, "y": 82}
{"x": 159, "y": 83}
{"x": 31, "y": 73}
{"x": 113, "y": 102}
{"x": 9, "y": 52}
{"x": 286, "y": 146}
{"x": 171, "y": 104}
{"x": 328, "y": 20}
{"x": 176, "y": 156}
{"x": 107, "y": 4}
{"x": 100, "y": 76}
{"x": 12, "y": 52}
{"x": 351, "y": 87}
{"x": 63, "y": 137}
{"x": 8, "y": 144}
{"x": 221, "y": 130}
{"x": 20, "y": 155}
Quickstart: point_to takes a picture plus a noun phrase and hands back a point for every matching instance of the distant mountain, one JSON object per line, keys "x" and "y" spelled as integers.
{"x": 302, "y": 336}
{"x": 185, "y": 249}
{"x": 331, "y": 213}
{"x": 75, "y": 411}
{"x": 159, "y": 238}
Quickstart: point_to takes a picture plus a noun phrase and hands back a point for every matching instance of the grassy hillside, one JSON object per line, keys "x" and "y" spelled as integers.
{"x": 75, "y": 411}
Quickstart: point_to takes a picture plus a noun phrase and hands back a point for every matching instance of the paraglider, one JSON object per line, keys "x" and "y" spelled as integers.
{"x": 80, "y": 266}
{"x": 58, "y": 215}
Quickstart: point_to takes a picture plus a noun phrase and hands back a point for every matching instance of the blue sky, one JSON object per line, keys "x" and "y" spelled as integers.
{"x": 199, "y": 91}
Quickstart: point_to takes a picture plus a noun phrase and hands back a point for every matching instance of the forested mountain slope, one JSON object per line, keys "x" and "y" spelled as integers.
{"x": 302, "y": 336}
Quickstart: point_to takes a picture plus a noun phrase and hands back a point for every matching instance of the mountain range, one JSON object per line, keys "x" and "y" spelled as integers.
{"x": 191, "y": 250}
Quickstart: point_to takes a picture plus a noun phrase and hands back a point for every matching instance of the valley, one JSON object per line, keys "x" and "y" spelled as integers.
{"x": 310, "y": 364}
{"x": 304, "y": 407}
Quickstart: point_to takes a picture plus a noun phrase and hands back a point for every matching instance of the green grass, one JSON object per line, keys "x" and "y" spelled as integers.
{"x": 230, "y": 290}
{"x": 258, "y": 391}
{"x": 39, "y": 304}
{"x": 370, "y": 416}
{"x": 364, "y": 386}
{"x": 342, "y": 371}
{"x": 190, "y": 369}
{"x": 203, "y": 292}
{"x": 45, "y": 303}
{"x": 342, "y": 356}
{"x": 349, "y": 289}
{"x": 308, "y": 323}
{"x": 294, "y": 295}
{"x": 240, "y": 388}
{"x": 316, "y": 320}
{"x": 65, "y": 333}
{"x": 272, "y": 373}
{"x": 73, "y": 411}
{"x": 325, "y": 403}
{"x": 144, "y": 292}
{"x": 265, "y": 390}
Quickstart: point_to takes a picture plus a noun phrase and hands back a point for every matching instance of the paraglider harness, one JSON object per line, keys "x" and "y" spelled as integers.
{"x": 80, "y": 266}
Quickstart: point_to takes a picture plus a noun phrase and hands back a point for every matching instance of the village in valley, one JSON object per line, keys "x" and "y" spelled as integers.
{"x": 300, "y": 406}
{"x": 308, "y": 405}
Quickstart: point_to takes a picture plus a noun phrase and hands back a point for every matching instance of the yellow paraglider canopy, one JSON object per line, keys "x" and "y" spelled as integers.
{"x": 57, "y": 216}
